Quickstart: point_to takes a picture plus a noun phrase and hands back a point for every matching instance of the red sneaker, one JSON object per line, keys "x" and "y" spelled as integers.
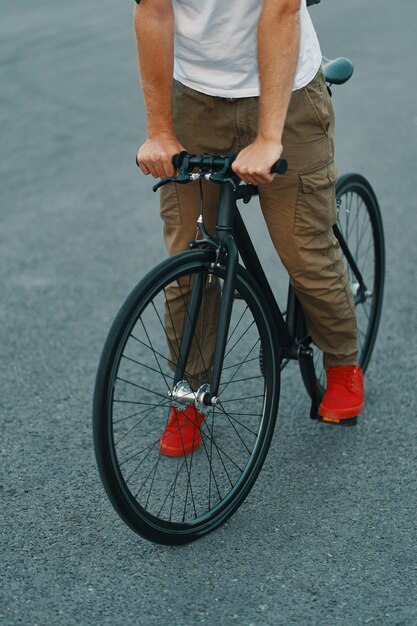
{"x": 343, "y": 398}
{"x": 182, "y": 432}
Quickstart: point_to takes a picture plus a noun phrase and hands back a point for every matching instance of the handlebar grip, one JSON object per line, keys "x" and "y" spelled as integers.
{"x": 280, "y": 167}
{"x": 177, "y": 159}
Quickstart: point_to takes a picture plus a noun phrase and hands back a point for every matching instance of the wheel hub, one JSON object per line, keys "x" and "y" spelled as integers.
{"x": 183, "y": 395}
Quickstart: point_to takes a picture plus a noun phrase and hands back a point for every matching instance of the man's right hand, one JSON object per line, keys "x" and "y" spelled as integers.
{"x": 155, "y": 155}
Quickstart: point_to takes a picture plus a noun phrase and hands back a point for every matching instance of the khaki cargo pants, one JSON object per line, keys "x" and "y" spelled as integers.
{"x": 299, "y": 209}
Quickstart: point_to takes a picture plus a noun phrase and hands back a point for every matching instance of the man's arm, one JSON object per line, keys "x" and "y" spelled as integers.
{"x": 154, "y": 28}
{"x": 278, "y": 48}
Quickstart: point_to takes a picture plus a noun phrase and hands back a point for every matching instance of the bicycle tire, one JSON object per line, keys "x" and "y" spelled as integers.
{"x": 360, "y": 222}
{"x": 251, "y": 321}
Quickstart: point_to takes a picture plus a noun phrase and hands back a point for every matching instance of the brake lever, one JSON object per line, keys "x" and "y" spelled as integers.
{"x": 180, "y": 179}
{"x": 183, "y": 176}
{"x": 218, "y": 178}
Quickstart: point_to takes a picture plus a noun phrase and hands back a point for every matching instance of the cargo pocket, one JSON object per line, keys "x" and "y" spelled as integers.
{"x": 316, "y": 201}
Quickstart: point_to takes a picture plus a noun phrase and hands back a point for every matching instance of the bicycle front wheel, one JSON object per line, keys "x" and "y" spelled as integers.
{"x": 176, "y": 500}
{"x": 359, "y": 225}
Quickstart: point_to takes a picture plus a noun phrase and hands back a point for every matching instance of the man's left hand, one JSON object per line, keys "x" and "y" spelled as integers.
{"x": 253, "y": 164}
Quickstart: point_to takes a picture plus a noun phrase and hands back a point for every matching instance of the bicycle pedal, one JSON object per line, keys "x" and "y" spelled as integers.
{"x": 347, "y": 421}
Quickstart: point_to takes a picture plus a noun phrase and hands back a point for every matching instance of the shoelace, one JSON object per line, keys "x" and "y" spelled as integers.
{"x": 347, "y": 378}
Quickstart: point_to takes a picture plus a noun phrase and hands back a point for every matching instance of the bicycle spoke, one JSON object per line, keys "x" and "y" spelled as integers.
{"x": 159, "y": 354}
{"x": 243, "y": 398}
{"x": 155, "y": 355}
{"x": 236, "y": 325}
{"x": 145, "y": 411}
{"x": 172, "y": 487}
{"x": 240, "y": 338}
{"x": 235, "y": 373}
{"x": 118, "y": 401}
{"x": 235, "y": 429}
{"x": 228, "y": 367}
{"x": 241, "y": 380}
{"x": 148, "y": 367}
{"x": 230, "y": 416}
{"x": 128, "y": 382}
{"x": 148, "y": 449}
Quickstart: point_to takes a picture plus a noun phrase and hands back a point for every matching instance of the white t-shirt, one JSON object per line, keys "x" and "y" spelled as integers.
{"x": 215, "y": 47}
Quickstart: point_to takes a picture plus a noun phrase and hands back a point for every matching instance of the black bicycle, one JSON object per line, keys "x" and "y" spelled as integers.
{"x": 231, "y": 324}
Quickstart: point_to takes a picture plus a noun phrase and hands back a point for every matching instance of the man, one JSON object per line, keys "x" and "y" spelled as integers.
{"x": 247, "y": 80}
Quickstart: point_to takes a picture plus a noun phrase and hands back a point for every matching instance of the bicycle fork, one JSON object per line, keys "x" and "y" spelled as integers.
{"x": 226, "y": 254}
{"x": 206, "y": 396}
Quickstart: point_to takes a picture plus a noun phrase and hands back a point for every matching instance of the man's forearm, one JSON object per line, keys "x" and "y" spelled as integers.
{"x": 278, "y": 49}
{"x": 154, "y": 27}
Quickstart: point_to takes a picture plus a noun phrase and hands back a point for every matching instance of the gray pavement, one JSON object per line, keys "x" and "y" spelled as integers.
{"x": 328, "y": 534}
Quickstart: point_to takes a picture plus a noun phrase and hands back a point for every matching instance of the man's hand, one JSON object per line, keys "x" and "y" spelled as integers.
{"x": 154, "y": 27}
{"x": 278, "y": 29}
{"x": 155, "y": 156}
{"x": 253, "y": 164}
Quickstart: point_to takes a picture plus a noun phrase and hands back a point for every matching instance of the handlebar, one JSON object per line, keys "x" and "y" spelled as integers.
{"x": 217, "y": 163}
{"x": 213, "y": 167}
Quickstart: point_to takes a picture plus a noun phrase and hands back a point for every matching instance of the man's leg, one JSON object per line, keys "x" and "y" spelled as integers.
{"x": 300, "y": 209}
{"x": 202, "y": 124}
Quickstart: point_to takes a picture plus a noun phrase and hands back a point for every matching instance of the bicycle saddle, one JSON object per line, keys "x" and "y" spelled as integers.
{"x": 337, "y": 71}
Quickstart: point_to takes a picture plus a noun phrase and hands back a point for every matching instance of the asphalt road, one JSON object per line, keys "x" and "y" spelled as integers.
{"x": 328, "y": 535}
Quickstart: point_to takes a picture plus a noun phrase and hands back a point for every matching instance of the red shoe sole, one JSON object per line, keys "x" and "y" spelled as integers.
{"x": 335, "y": 421}
{"x": 339, "y": 414}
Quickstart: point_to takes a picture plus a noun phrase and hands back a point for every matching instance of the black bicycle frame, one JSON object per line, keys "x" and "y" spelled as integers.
{"x": 232, "y": 240}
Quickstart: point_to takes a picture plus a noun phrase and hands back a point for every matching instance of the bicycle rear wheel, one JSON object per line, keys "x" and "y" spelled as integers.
{"x": 176, "y": 500}
{"x": 359, "y": 223}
